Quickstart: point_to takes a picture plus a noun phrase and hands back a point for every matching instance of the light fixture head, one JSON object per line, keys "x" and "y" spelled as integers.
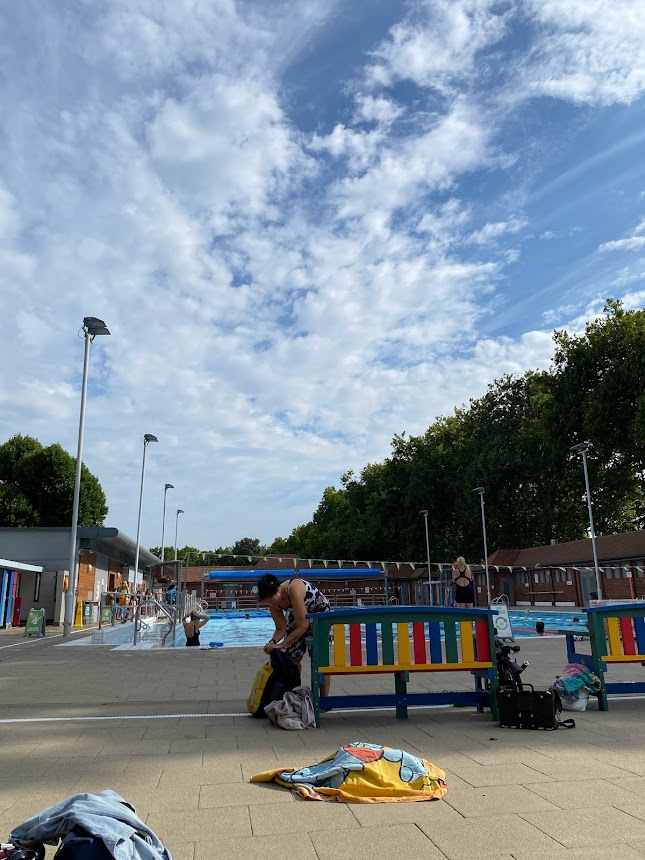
{"x": 149, "y": 438}
{"x": 425, "y": 513}
{"x": 179, "y": 511}
{"x": 479, "y": 490}
{"x": 169, "y": 486}
{"x": 94, "y": 326}
{"x": 581, "y": 447}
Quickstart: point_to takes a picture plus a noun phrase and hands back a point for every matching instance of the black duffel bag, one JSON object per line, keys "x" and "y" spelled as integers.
{"x": 530, "y": 709}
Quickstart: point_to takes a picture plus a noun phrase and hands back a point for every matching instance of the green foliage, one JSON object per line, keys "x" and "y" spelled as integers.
{"x": 37, "y": 486}
{"x": 515, "y": 442}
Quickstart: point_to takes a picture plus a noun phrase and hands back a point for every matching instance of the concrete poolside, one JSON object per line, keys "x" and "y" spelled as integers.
{"x": 577, "y": 794}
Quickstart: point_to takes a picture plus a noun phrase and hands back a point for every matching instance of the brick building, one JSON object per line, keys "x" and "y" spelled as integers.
{"x": 562, "y": 574}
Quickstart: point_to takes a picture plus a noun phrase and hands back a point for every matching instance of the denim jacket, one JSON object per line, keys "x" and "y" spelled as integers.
{"x": 104, "y": 815}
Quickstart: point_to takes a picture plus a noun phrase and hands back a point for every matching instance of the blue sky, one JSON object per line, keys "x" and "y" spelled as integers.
{"x": 309, "y": 225}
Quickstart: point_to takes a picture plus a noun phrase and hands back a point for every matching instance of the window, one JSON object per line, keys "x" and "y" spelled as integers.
{"x": 608, "y": 572}
{"x": 639, "y": 564}
{"x": 37, "y": 588}
{"x": 542, "y": 577}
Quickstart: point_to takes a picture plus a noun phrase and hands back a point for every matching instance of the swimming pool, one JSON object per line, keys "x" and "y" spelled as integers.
{"x": 234, "y": 630}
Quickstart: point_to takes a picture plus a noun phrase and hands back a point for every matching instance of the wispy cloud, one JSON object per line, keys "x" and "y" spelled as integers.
{"x": 631, "y": 243}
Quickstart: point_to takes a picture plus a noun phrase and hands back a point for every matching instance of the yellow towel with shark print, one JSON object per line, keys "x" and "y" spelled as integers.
{"x": 363, "y": 773}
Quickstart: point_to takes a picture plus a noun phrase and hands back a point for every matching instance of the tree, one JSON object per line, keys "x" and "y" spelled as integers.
{"x": 37, "y": 486}
{"x": 515, "y": 442}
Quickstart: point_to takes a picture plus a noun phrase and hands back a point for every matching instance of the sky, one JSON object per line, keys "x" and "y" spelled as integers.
{"x": 308, "y": 224}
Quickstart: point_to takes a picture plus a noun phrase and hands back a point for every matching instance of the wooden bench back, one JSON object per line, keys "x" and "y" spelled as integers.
{"x": 618, "y": 632}
{"x": 411, "y": 640}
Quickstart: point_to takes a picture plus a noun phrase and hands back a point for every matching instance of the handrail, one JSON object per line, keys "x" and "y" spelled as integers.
{"x": 138, "y": 621}
{"x": 503, "y": 598}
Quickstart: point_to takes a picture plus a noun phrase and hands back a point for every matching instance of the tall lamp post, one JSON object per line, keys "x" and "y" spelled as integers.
{"x": 179, "y": 511}
{"x": 430, "y": 597}
{"x": 481, "y": 492}
{"x": 147, "y": 439}
{"x": 163, "y": 527}
{"x": 582, "y": 448}
{"x": 92, "y": 327}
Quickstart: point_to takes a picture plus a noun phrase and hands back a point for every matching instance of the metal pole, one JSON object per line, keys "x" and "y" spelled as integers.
{"x": 593, "y": 531}
{"x": 136, "y": 551}
{"x": 179, "y": 511}
{"x": 163, "y": 527}
{"x": 68, "y": 620}
{"x": 481, "y": 496}
{"x": 430, "y": 595}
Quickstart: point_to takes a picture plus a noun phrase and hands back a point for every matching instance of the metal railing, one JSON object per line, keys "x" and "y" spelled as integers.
{"x": 159, "y": 628}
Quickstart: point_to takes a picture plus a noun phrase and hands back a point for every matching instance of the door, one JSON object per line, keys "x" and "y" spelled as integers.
{"x": 587, "y": 587}
{"x": 507, "y": 588}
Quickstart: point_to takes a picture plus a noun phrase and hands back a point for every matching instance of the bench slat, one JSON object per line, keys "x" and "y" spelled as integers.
{"x": 622, "y": 658}
{"x": 434, "y": 634}
{"x": 355, "y": 649}
{"x": 639, "y": 626}
{"x": 339, "y": 644}
{"x": 371, "y": 644}
{"x": 397, "y": 667}
{"x": 403, "y": 639}
{"x": 419, "y": 639}
{"x": 450, "y": 630}
{"x": 627, "y": 633}
{"x": 466, "y": 636}
{"x": 482, "y": 639}
{"x": 613, "y": 638}
{"x": 387, "y": 642}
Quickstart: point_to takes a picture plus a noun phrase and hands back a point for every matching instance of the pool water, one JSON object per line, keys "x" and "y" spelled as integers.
{"x": 234, "y": 630}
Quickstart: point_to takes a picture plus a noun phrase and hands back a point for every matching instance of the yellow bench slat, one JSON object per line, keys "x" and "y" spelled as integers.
{"x": 413, "y": 667}
{"x": 613, "y": 635}
{"x": 466, "y": 636}
{"x": 403, "y": 638}
{"x": 624, "y": 658}
{"x": 340, "y": 655}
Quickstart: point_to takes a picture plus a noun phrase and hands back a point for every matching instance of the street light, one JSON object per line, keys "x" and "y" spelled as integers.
{"x": 163, "y": 527}
{"x": 481, "y": 492}
{"x": 425, "y": 516}
{"x": 92, "y": 327}
{"x": 179, "y": 511}
{"x": 582, "y": 448}
{"x": 148, "y": 437}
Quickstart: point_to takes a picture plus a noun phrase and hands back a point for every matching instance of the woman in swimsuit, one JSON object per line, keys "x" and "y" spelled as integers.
{"x": 193, "y": 623}
{"x": 462, "y": 578}
{"x": 296, "y": 597}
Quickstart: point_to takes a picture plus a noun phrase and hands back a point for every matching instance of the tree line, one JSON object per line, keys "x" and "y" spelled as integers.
{"x": 514, "y": 441}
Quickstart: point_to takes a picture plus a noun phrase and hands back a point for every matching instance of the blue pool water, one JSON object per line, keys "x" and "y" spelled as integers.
{"x": 234, "y": 630}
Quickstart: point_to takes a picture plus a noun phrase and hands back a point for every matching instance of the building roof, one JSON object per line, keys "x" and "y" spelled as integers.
{"x": 104, "y": 540}
{"x": 6, "y": 564}
{"x": 618, "y": 547}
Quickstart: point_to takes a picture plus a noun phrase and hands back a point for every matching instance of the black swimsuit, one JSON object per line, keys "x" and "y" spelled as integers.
{"x": 192, "y": 641}
{"x": 464, "y": 593}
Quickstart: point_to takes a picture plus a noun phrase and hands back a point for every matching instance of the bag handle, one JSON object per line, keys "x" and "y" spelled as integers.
{"x": 567, "y": 724}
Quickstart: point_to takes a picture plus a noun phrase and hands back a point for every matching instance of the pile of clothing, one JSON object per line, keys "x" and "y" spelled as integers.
{"x": 574, "y": 686}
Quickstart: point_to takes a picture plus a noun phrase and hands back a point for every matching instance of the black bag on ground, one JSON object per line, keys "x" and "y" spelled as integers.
{"x": 284, "y": 677}
{"x": 530, "y": 709}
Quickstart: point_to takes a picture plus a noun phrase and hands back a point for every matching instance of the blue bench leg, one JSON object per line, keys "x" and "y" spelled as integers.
{"x": 401, "y": 688}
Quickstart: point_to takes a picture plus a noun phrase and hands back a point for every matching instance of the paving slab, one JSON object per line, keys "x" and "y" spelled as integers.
{"x": 377, "y": 843}
{"x": 303, "y": 816}
{"x": 575, "y": 828}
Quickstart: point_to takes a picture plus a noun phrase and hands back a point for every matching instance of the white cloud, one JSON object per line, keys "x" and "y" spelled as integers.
{"x": 436, "y": 42}
{"x": 589, "y": 51}
{"x": 632, "y": 243}
{"x": 493, "y": 230}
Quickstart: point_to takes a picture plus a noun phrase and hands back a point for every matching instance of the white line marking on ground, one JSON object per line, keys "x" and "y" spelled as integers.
{"x": 47, "y": 638}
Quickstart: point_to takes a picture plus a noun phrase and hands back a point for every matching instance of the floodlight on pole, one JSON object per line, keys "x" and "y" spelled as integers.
{"x": 179, "y": 511}
{"x": 92, "y": 327}
{"x": 163, "y": 526}
{"x": 147, "y": 439}
{"x": 582, "y": 448}
{"x": 430, "y": 597}
{"x": 481, "y": 492}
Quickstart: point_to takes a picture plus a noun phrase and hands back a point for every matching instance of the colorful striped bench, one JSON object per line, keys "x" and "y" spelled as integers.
{"x": 616, "y": 635}
{"x": 412, "y": 639}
